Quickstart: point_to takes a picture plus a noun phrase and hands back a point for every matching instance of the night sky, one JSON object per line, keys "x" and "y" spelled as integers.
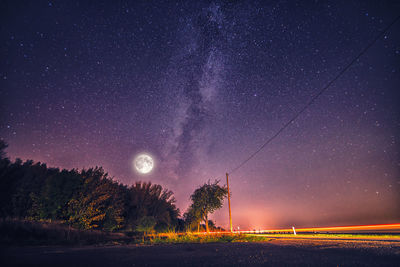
{"x": 202, "y": 85}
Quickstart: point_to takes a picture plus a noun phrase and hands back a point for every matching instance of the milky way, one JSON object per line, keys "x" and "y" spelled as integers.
{"x": 198, "y": 73}
{"x": 200, "y": 86}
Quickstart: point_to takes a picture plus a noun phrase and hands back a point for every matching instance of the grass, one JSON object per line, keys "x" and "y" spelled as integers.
{"x": 23, "y": 232}
{"x": 175, "y": 238}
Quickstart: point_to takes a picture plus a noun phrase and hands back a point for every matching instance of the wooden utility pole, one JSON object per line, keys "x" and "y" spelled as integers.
{"x": 229, "y": 203}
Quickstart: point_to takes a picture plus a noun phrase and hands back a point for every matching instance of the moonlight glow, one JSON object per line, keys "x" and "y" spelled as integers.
{"x": 143, "y": 163}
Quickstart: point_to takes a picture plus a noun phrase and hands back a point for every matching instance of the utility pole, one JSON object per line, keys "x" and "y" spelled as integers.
{"x": 229, "y": 203}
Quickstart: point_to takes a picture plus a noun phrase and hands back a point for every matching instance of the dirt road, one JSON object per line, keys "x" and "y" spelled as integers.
{"x": 277, "y": 252}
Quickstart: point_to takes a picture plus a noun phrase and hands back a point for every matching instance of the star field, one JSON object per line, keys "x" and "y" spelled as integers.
{"x": 200, "y": 86}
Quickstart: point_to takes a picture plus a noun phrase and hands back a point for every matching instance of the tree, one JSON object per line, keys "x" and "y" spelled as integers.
{"x": 3, "y": 146}
{"x": 192, "y": 218}
{"x": 206, "y": 199}
{"x": 88, "y": 199}
{"x": 147, "y": 199}
{"x": 146, "y": 224}
{"x": 89, "y": 206}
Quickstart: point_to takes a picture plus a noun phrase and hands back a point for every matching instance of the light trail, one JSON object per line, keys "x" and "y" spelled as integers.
{"x": 354, "y": 228}
{"x": 373, "y": 228}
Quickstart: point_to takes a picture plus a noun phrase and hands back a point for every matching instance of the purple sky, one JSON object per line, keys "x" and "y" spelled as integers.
{"x": 201, "y": 86}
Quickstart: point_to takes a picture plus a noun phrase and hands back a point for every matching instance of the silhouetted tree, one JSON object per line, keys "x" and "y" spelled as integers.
{"x": 192, "y": 218}
{"x": 147, "y": 199}
{"x": 206, "y": 199}
{"x": 3, "y": 146}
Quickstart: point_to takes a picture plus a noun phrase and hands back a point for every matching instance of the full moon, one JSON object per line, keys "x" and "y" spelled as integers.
{"x": 143, "y": 163}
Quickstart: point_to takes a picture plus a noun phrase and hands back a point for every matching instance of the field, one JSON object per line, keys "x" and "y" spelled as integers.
{"x": 260, "y": 250}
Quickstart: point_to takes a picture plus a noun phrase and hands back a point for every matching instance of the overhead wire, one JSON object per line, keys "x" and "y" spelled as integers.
{"x": 310, "y": 102}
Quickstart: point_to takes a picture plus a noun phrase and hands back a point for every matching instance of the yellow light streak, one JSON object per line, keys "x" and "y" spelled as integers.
{"x": 373, "y": 227}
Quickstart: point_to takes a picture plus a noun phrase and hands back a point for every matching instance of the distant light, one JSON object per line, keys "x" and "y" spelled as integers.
{"x": 294, "y": 230}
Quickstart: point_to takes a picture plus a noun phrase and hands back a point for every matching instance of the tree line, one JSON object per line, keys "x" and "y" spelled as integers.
{"x": 91, "y": 199}
{"x": 85, "y": 199}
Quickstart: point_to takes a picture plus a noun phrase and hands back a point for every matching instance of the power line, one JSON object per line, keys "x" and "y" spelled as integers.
{"x": 315, "y": 97}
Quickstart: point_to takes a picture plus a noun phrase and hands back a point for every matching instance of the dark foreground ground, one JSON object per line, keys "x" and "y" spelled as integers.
{"x": 277, "y": 252}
